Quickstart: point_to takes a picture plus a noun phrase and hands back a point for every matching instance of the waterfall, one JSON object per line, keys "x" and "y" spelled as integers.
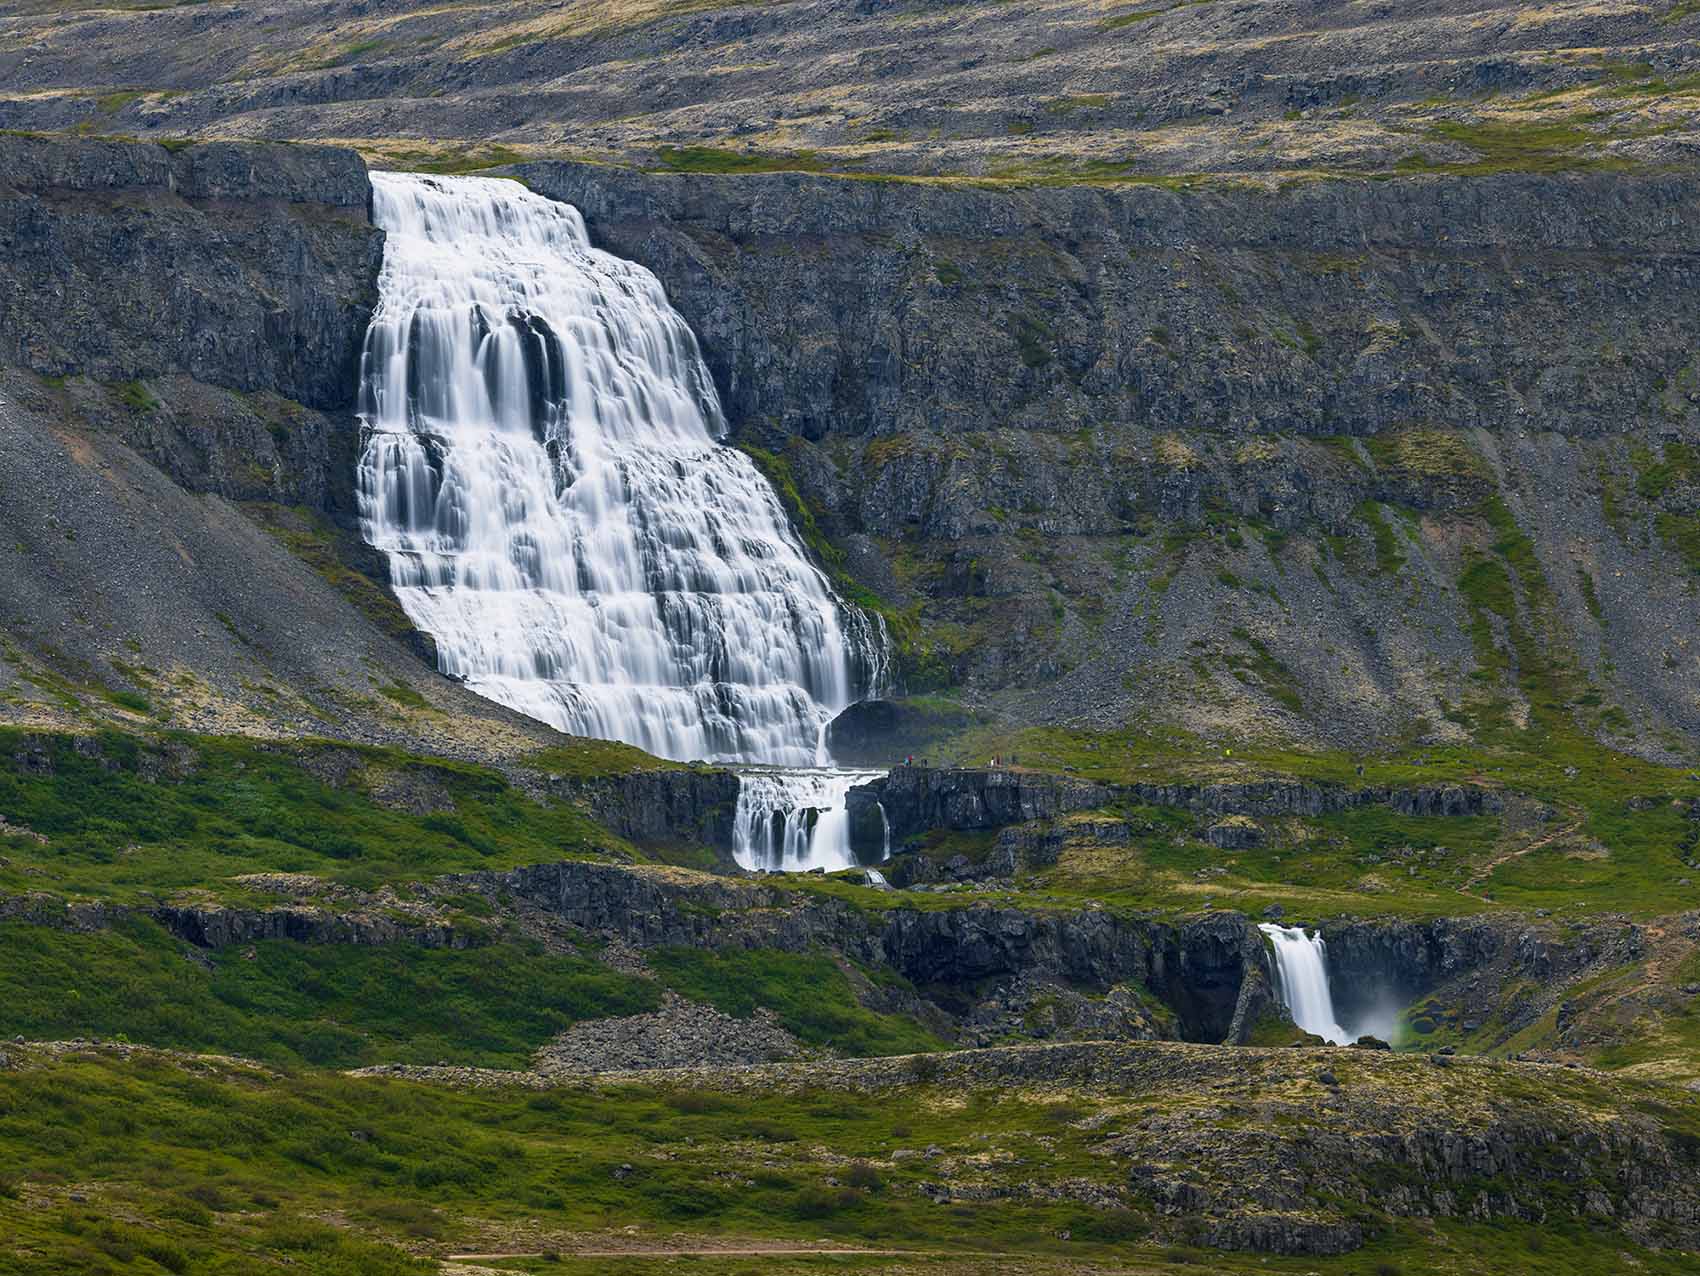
{"x": 795, "y": 820}
{"x": 540, "y": 467}
{"x": 1301, "y": 970}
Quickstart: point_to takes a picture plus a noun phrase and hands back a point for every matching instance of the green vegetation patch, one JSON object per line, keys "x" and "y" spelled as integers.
{"x": 143, "y": 1164}
{"x": 1516, "y": 147}
{"x": 715, "y": 159}
{"x": 810, "y": 993}
{"x": 1389, "y": 552}
{"x": 924, "y": 661}
{"x": 125, "y": 817}
{"x": 339, "y": 1005}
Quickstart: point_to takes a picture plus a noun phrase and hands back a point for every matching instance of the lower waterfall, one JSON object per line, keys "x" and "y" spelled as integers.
{"x": 1301, "y": 974}
{"x": 541, "y": 467}
{"x": 795, "y": 820}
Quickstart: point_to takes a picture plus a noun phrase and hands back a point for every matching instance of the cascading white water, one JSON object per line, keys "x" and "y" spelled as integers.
{"x": 795, "y": 820}
{"x": 1301, "y": 970}
{"x": 540, "y": 467}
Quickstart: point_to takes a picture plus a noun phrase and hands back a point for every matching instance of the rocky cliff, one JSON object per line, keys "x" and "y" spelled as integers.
{"x": 1225, "y": 456}
{"x": 174, "y": 274}
{"x": 911, "y": 801}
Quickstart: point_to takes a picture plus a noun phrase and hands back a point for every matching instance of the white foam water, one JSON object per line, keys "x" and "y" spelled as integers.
{"x": 793, "y": 820}
{"x": 1301, "y": 970}
{"x": 541, "y": 468}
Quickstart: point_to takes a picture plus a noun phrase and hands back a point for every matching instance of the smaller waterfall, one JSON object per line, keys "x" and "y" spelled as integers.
{"x": 1301, "y": 973}
{"x": 792, "y": 820}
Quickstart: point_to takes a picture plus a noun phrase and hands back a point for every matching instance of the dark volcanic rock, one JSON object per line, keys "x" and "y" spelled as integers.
{"x": 919, "y": 799}
{"x": 252, "y": 267}
{"x": 821, "y": 308}
{"x": 667, "y": 805}
{"x": 681, "y": 1034}
{"x": 884, "y": 732}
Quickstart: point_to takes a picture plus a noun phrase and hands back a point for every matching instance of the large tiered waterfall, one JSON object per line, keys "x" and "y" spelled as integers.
{"x": 541, "y": 468}
{"x": 1301, "y": 970}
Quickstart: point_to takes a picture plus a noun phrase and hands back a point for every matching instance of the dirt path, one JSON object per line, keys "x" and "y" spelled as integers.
{"x": 1488, "y": 869}
{"x": 697, "y": 1251}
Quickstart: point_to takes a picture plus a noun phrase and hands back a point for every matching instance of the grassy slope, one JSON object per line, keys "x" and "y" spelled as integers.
{"x": 1621, "y": 857}
{"x": 131, "y": 819}
{"x": 224, "y": 1167}
{"x": 336, "y": 1005}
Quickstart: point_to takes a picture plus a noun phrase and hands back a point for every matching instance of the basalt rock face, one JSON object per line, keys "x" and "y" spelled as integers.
{"x": 1093, "y": 434}
{"x": 207, "y": 305}
{"x": 833, "y": 307}
{"x": 1489, "y": 975}
{"x": 248, "y": 267}
{"x": 661, "y": 806}
{"x": 220, "y": 927}
{"x": 1209, "y": 972}
{"x": 917, "y": 800}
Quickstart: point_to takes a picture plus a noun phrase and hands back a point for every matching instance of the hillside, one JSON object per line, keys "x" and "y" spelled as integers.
{"x": 1051, "y": 89}
{"x": 1270, "y": 437}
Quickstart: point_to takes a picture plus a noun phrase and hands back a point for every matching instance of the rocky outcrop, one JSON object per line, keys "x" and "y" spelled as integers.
{"x": 240, "y": 265}
{"x": 682, "y": 1034}
{"x": 1496, "y": 973}
{"x": 251, "y": 267}
{"x": 220, "y": 927}
{"x": 917, "y": 800}
{"x": 1209, "y": 972}
{"x": 693, "y": 805}
{"x": 206, "y": 304}
{"x": 829, "y": 306}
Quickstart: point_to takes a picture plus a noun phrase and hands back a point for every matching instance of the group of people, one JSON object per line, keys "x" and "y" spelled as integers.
{"x": 997, "y": 760}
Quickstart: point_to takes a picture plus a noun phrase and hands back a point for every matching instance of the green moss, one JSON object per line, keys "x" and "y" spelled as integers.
{"x": 777, "y": 470}
{"x": 1116, "y": 21}
{"x": 810, "y": 993}
{"x": 405, "y": 696}
{"x": 1655, "y": 477}
{"x": 340, "y": 1005}
{"x": 1034, "y": 339}
{"x": 126, "y": 817}
{"x": 446, "y": 159}
{"x": 1078, "y": 102}
{"x": 1425, "y": 454}
{"x": 1681, "y": 535}
{"x": 136, "y": 396}
{"x": 1516, "y": 147}
{"x": 112, "y": 103}
{"x": 130, "y": 700}
{"x": 583, "y": 758}
{"x": 1389, "y": 553}
{"x": 1590, "y": 594}
{"x": 714, "y": 159}
{"x": 1270, "y": 674}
